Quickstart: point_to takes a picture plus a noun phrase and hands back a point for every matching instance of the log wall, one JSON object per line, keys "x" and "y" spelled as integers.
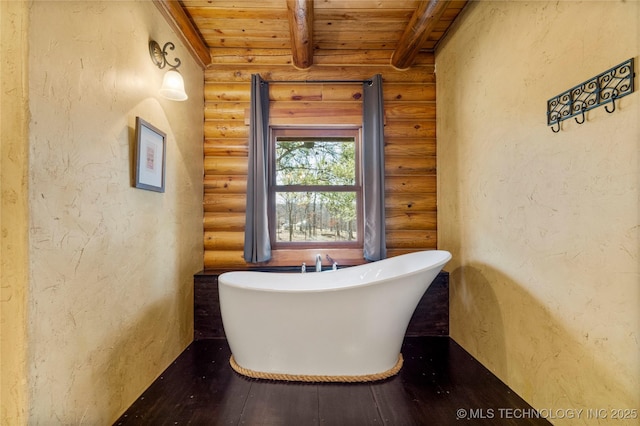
{"x": 410, "y": 145}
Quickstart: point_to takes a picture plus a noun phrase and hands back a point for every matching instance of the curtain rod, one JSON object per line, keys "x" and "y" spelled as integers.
{"x": 368, "y": 81}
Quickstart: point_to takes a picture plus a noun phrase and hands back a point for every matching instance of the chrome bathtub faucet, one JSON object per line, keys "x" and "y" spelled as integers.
{"x": 334, "y": 264}
{"x": 304, "y": 268}
{"x": 318, "y": 263}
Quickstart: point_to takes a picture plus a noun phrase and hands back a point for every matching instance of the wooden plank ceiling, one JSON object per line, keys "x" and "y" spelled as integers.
{"x": 313, "y": 31}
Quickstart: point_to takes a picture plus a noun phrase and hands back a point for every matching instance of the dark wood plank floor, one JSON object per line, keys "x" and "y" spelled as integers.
{"x": 439, "y": 384}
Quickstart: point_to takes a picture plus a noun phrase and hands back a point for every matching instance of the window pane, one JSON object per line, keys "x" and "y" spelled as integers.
{"x": 315, "y": 161}
{"x": 316, "y": 216}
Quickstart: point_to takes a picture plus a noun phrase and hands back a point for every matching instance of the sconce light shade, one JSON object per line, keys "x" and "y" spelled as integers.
{"x": 173, "y": 86}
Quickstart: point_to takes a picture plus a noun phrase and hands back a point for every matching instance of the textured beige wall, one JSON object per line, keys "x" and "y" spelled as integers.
{"x": 14, "y": 217}
{"x": 111, "y": 267}
{"x": 543, "y": 227}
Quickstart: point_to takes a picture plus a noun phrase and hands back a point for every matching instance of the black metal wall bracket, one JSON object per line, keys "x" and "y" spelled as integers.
{"x": 602, "y": 89}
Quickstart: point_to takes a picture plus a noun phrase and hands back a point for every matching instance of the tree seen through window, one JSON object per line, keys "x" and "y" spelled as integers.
{"x": 315, "y": 189}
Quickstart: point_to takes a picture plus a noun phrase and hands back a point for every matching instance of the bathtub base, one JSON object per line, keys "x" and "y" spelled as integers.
{"x": 317, "y": 378}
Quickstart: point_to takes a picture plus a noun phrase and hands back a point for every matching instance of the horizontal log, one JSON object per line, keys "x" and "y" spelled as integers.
{"x": 395, "y": 94}
{"x": 226, "y": 166}
{"x": 411, "y": 239}
{"x": 296, "y": 92}
{"x": 403, "y": 110}
{"x": 290, "y": 108}
{"x": 410, "y": 201}
{"x": 331, "y": 56}
{"x": 225, "y": 129}
{"x": 408, "y": 147}
{"x": 225, "y": 184}
{"x": 226, "y": 147}
{"x": 221, "y": 203}
{"x": 351, "y": 112}
{"x": 343, "y": 112}
{"x": 325, "y": 57}
{"x": 345, "y": 121}
{"x": 224, "y": 240}
{"x": 417, "y": 129}
{"x": 217, "y": 94}
{"x": 317, "y": 92}
{"x": 225, "y": 110}
{"x": 227, "y": 259}
{"x": 391, "y": 92}
{"x": 397, "y": 220}
{"x": 325, "y": 92}
{"x": 315, "y": 113}
{"x": 342, "y": 92}
{"x": 402, "y": 166}
{"x": 227, "y": 91}
{"x": 224, "y": 221}
{"x": 239, "y": 73}
{"x": 419, "y": 184}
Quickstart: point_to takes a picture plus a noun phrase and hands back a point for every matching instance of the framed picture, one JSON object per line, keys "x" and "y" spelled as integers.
{"x": 150, "y": 156}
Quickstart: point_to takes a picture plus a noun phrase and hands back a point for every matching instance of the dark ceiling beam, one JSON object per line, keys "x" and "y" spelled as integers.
{"x": 300, "y": 14}
{"x": 422, "y": 23}
{"x": 181, "y": 24}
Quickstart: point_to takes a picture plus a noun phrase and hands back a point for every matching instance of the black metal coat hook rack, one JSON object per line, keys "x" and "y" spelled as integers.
{"x": 602, "y": 89}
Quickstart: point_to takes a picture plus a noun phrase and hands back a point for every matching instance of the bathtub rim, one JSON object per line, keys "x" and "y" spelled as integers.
{"x": 289, "y": 282}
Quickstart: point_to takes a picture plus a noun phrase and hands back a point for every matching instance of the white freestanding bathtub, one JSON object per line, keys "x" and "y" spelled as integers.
{"x": 342, "y": 325}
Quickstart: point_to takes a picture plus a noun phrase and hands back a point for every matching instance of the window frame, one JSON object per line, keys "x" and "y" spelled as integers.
{"x": 273, "y": 189}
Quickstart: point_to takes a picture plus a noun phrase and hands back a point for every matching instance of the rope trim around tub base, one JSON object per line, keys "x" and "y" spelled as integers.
{"x": 317, "y": 378}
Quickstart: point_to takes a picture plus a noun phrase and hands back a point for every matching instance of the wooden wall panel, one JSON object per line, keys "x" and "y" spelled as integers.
{"x": 410, "y": 144}
{"x": 226, "y": 147}
{"x": 225, "y": 184}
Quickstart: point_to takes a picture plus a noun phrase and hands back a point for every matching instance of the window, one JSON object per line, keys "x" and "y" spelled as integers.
{"x": 315, "y": 188}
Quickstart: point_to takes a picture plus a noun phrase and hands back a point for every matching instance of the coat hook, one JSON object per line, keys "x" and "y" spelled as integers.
{"x": 554, "y": 130}
{"x": 613, "y": 102}
{"x": 583, "y": 116}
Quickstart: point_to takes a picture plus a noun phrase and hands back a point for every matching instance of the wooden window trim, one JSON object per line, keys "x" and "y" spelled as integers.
{"x": 320, "y": 131}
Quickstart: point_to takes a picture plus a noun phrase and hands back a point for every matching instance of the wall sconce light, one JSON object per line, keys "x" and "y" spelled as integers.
{"x": 172, "y": 84}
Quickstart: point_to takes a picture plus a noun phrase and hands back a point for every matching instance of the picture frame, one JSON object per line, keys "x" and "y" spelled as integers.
{"x": 151, "y": 148}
